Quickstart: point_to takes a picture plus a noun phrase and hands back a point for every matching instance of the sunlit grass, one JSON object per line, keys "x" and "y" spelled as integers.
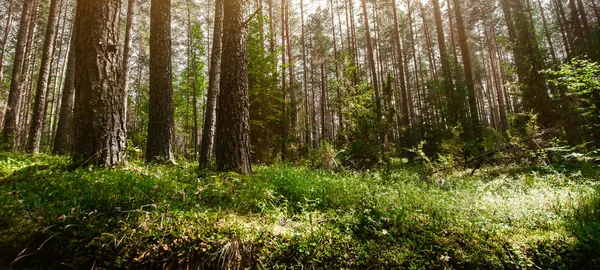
{"x": 288, "y": 217}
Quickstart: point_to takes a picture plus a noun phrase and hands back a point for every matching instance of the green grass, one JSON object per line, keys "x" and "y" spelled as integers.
{"x": 286, "y": 217}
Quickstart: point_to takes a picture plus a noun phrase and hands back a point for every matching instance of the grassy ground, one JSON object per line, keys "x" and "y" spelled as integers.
{"x": 285, "y": 217}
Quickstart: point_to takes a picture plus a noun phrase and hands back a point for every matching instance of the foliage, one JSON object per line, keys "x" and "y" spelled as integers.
{"x": 264, "y": 96}
{"x": 579, "y": 84}
{"x": 287, "y": 217}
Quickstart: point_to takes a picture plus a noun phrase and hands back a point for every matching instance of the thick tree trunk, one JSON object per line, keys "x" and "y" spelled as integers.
{"x": 14, "y": 96}
{"x": 39, "y": 112}
{"x": 161, "y": 118}
{"x": 100, "y": 132}
{"x": 208, "y": 132}
{"x": 233, "y": 128}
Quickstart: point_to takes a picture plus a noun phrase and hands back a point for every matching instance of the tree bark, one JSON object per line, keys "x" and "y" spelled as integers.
{"x": 372, "y": 62}
{"x": 14, "y": 96}
{"x": 208, "y": 132}
{"x": 127, "y": 52}
{"x": 64, "y": 129}
{"x": 233, "y": 142}
{"x": 39, "y": 112}
{"x": 100, "y": 132}
{"x": 3, "y": 48}
{"x": 160, "y": 118}
{"x": 466, "y": 58}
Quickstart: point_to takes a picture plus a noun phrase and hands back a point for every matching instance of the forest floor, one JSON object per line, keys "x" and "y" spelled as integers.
{"x": 284, "y": 217}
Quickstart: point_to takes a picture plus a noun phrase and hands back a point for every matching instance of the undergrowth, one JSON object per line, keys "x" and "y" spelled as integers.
{"x": 283, "y": 217}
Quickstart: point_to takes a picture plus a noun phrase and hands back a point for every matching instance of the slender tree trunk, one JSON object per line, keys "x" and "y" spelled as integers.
{"x": 403, "y": 89}
{"x": 14, "y": 96}
{"x": 127, "y": 51}
{"x": 206, "y": 148}
{"x": 284, "y": 110}
{"x": 3, "y": 49}
{"x": 466, "y": 57}
{"x": 100, "y": 132}
{"x": 193, "y": 77}
{"x": 448, "y": 84}
{"x": 372, "y": 64}
{"x": 37, "y": 118}
{"x": 64, "y": 130}
{"x": 28, "y": 77}
{"x": 304, "y": 76}
{"x": 233, "y": 142}
{"x": 547, "y": 34}
{"x": 161, "y": 118}
{"x": 293, "y": 114}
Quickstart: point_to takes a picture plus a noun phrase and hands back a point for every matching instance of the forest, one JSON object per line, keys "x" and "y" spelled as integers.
{"x": 318, "y": 134}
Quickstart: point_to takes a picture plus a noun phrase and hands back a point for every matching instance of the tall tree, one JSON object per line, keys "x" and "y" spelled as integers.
{"x": 39, "y": 107}
{"x": 161, "y": 118}
{"x": 100, "y": 132}
{"x": 401, "y": 76}
{"x": 233, "y": 142}
{"x": 65, "y": 119}
{"x": 206, "y": 147}
{"x": 466, "y": 59}
{"x": 14, "y": 96}
{"x": 448, "y": 84}
{"x": 3, "y": 46}
{"x": 127, "y": 51}
{"x": 372, "y": 64}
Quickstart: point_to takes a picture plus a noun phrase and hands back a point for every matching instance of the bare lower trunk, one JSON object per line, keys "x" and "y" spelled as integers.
{"x": 161, "y": 118}
{"x": 14, "y": 96}
{"x": 100, "y": 133}
{"x": 208, "y": 132}
{"x": 232, "y": 134}
{"x": 39, "y": 112}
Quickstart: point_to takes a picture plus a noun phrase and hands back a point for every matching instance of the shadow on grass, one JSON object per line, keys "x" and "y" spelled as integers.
{"x": 585, "y": 227}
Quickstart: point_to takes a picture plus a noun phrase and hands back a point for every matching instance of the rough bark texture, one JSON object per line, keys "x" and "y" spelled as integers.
{"x": 100, "y": 133}
{"x": 14, "y": 96}
{"x": 208, "y": 132}
{"x": 64, "y": 129}
{"x": 39, "y": 106}
{"x": 233, "y": 142}
{"x": 161, "y": 118}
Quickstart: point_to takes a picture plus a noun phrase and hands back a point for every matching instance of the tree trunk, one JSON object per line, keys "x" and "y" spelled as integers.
{"x": 14, "y": 96}
{"x": 466, "y": 57}
{"x": 404, "y": 92}
{"x": 233, "y": 128}
{"x": 100, "y": 132}
{"x": 372, "y": 62}
{"x": 161, "y": 118}
{"x": 39, "y": 112}
{"x": 3, "y": 49}
{"x": 64, "y": 129}
{"x": 304, "y": 76}
{"x": 208, "y": 132}
{"x": 448, "y": 84}
{"x": 127, "y": 51}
